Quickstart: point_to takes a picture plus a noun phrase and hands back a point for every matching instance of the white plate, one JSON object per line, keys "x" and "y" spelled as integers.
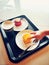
{"x": 23, "y": 26}
{"x": 21, "y": 44}
{"x": 7, "y": 27}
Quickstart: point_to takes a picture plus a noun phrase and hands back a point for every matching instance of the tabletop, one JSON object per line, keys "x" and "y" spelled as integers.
{"x": 39, "y": 58}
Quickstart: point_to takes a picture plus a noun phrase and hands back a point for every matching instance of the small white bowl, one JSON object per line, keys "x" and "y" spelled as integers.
{"x": 7, "y": 26}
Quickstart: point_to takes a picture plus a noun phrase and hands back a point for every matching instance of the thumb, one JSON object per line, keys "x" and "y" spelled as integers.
{"x": 35, "y": 36}
{"x": 33, "y": 33}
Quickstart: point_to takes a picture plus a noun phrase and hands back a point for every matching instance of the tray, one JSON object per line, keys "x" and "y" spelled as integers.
{"x": 13, "y": 50}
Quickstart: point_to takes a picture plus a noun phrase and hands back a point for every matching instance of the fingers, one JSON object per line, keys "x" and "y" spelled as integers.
{"x": 33, "y": 33}
{"x": 33, "y": 37}
{"x": 35, "y": 40}
{"x": 36, "y": 36}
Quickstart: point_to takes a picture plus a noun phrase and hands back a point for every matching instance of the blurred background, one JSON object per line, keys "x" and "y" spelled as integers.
{"x": 36, "y": 10}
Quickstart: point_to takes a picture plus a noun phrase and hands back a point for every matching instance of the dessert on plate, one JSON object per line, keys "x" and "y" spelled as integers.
{"x": 20, "y": 24}
{"x": 26, "y": 39}
{"x": 22, "y": 40}
{"x": 17, "y": 22}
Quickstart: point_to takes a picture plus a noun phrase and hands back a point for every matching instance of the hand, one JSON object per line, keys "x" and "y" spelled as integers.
{"x": 38, "y": 36}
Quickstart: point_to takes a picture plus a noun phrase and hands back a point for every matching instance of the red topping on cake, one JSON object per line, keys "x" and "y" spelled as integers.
{"x": 17, "y": 22}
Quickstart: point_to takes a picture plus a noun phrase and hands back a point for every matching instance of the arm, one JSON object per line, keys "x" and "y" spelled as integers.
{"x": 46, "y": 32}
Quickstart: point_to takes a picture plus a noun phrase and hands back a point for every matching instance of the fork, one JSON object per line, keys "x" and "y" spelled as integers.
{"x": 34, "y": 41}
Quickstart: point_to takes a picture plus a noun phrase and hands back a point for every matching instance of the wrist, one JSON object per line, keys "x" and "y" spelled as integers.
{"x": 43, "y": 33}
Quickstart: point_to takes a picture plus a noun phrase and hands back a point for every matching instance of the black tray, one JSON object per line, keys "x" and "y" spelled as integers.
{"x": 13, "y": 50}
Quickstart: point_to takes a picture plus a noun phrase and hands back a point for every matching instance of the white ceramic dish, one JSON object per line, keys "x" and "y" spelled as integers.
{"x": 7, "y": 27}
{"x": 21, "y": 44}
{"x": 23, "y": 26}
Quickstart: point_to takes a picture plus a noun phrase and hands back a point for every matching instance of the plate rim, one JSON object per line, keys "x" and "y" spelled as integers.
{"x": 24, "y": 49}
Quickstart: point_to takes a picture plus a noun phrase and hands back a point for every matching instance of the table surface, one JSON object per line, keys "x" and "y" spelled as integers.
{"x": 39, "y": 58}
